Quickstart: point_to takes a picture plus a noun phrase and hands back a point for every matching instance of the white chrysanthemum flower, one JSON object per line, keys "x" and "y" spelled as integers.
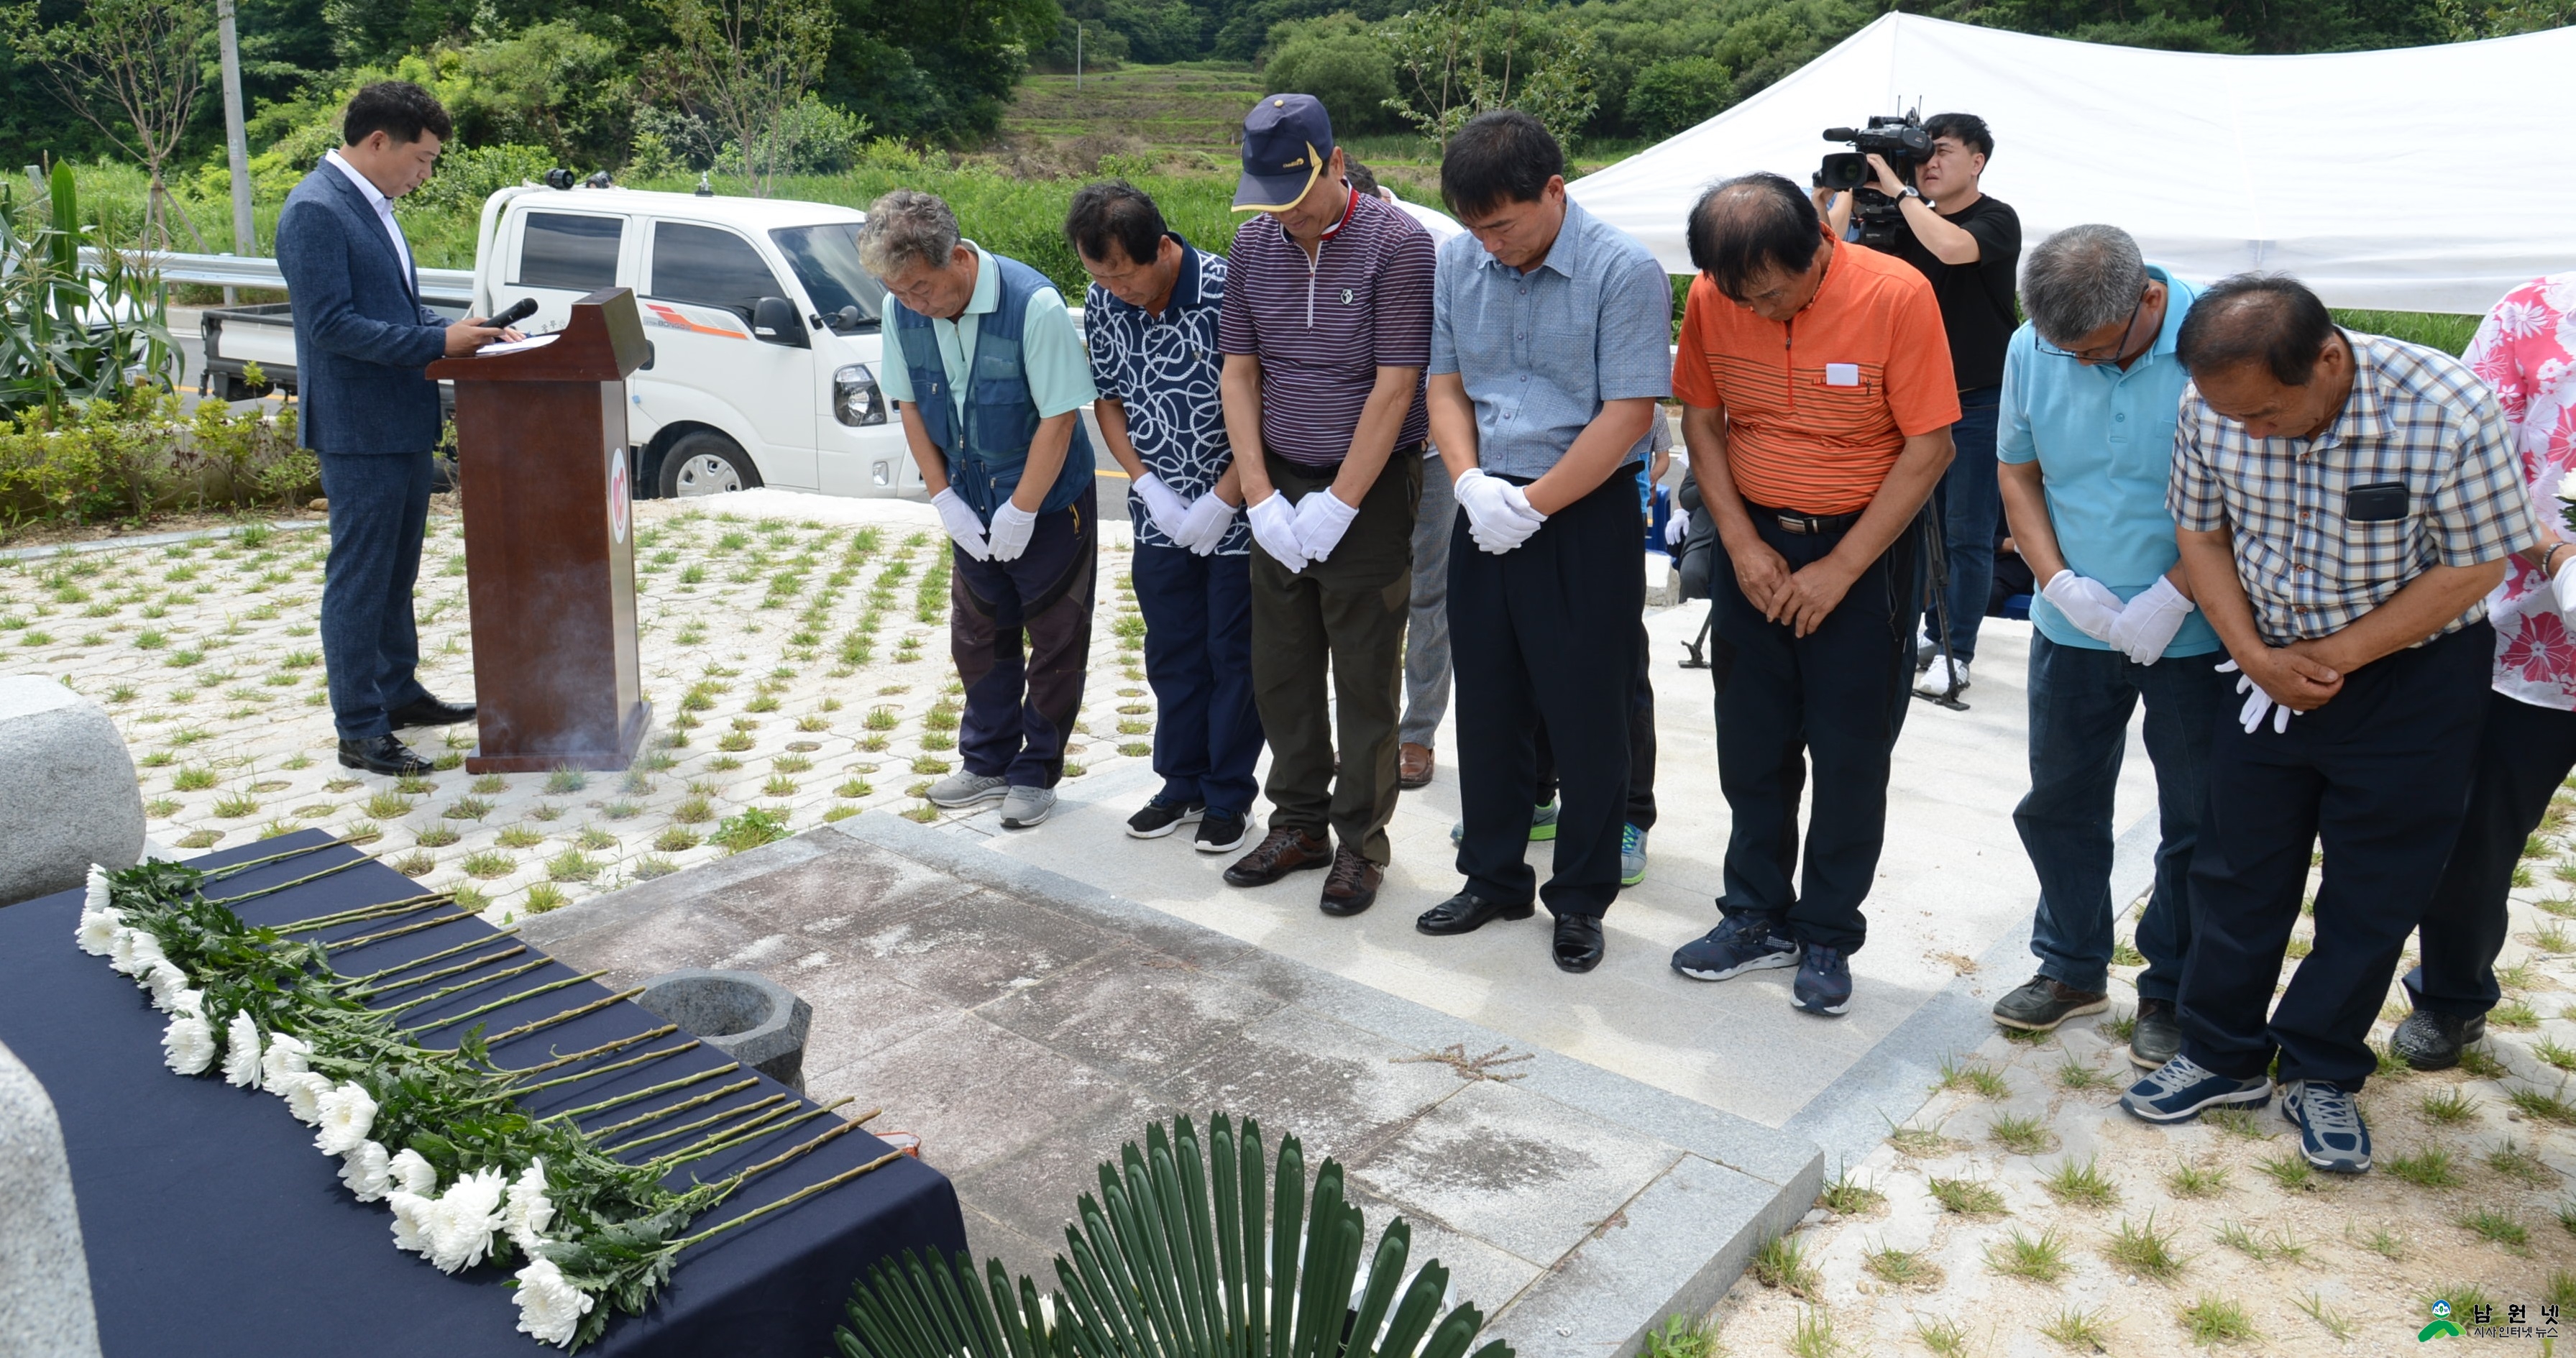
{"x": 367, "y": 1171}
{"x": 97, "y": 897}
{"x": 188, "y": 1044}
{"x": 413, "y": 1173}
{"x": 411, "y": 1220}
{"x": 283, "y": 1060}
{"x": 303, "y": 1094}
{"x": 462, "y": 1221}
{"x": 550, "y": 1308}
{"x": 133, "y": 951}
{"x": 348, "y": 1114}
{"x": 530, "y": 1211}
{"x": 241, "y": 1052}
{"x": 165, "y": 981}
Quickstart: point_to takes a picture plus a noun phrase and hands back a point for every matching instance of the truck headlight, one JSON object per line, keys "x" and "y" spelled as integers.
{"x": 856, "y": 400}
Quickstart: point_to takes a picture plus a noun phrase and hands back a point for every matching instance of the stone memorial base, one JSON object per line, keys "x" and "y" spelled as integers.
{"x": 69, "y": 797}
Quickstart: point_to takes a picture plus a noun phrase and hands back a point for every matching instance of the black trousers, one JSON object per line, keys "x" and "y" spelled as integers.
{"x": 2522, "y": 757}
{"x": 2381, "y": 775}
{"x": 1546, "y": 632}
{"x": 1836, "y": 699}
{"x": 1641, "y": 744}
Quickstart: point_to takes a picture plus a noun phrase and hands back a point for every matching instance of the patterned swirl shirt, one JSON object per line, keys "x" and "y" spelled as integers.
{"x": 1164, "y": 370}
{"x": 2526, "y": 350}
{"x": 2417, "y": 418}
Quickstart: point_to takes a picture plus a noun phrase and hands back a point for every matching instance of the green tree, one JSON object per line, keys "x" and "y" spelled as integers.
{"x": 1340, "y": 62}
{"x": 1677, "y": 93}
{"x": 551, "y": 85}
{"x": 743, "y": 64}
{"x": 133, "y": 68}
{"x": 1455, "y": 59}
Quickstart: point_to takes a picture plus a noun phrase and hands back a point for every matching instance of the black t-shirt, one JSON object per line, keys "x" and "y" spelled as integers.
{"x": 1976, "y": 299}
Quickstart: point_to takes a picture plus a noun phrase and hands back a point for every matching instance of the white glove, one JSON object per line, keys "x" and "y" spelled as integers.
{"x": 1322, "y": 518}
{"x": 1499, "y": 516}
{"x": 2257, "y": 702}
{"x": 1677, "y": 527}
{"x": 2147, "y": 625}
{"x": 1204, "y": 527}
{"x": 2564, "y": 586}
{"x": 958, "y": 517}
{"x": 2086, "y": 602}
{"x": 1274, "y": 526}
{"x": 1162, "y": 504}
{"x": 1011, "y": 528}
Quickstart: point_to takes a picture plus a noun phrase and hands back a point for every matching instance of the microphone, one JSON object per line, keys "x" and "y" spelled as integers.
{"x": 519, "y": 311}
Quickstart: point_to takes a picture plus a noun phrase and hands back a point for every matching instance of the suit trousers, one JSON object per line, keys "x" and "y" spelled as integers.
{"x": 2380, "y": 774}
{"x": 2522, "y": 758}
{"x": 1641, "y": 744}
{"x": 1426, "y": 627}
{"x": 1198, "y": 658}
{"x": 1835, "y": 698}
{"x": 1546, "y": 632}
{"x": 1346, "y": 614}
{"x": 1020, "y": 708}
{"x": 370, "y": 645}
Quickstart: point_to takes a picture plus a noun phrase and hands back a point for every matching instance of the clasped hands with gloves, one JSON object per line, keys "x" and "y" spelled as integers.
{"x": 2142, "y": 627}
{"x": 1199, "y": 525}
{"x": 1305, "y": 533}
{"x": 1499, "y": 515}
{"x": 1003, "y": 541}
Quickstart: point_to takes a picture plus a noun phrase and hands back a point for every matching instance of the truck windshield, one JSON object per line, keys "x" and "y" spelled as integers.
{"x": 826, "y": 260}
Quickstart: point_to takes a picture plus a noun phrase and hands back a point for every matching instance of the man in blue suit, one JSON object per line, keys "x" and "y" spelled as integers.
{"x": 371, "y": 416}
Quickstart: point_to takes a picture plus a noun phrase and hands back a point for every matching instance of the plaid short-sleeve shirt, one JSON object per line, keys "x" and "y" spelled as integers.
{"x": 2420, "y": 440}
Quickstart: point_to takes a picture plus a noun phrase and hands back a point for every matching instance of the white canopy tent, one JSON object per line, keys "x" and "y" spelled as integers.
{"x": 2418, "y": 179}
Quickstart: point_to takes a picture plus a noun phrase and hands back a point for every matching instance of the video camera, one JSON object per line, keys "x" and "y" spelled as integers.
{"x": 1902, "y": 143}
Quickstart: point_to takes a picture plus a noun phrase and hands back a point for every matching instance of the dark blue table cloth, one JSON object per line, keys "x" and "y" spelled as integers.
{"x": 213, "y": 1227}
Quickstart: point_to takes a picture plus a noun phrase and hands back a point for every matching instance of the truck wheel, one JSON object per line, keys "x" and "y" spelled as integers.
{"x": 706, "y": 463}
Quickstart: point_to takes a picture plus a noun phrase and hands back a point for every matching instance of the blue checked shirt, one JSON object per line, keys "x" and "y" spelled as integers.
{"x": 2418, "y": 419}
{"x": 1164, "y": 370}
{"x": 1539, "y": 352}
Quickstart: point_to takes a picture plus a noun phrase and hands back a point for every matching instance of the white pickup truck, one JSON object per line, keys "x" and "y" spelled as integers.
{"x": 764, "y": 332}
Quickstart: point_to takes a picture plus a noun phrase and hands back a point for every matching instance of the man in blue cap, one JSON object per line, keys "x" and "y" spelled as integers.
{"x": 1326, "y": 328}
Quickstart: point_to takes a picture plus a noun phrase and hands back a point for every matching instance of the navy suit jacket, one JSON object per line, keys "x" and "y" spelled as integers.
{"x": 362, "y": 338}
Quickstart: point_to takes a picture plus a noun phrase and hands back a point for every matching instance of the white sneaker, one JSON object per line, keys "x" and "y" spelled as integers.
{"x": 1026, "y": 806}
{"x": 1935, "y": 682}
{"x": 966, "y": 789}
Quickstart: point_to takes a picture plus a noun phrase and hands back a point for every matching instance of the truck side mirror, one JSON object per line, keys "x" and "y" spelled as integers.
{"x": 774, "y": 319}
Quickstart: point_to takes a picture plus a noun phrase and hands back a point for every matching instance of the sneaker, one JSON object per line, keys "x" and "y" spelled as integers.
{"x": 1746, "y": 942}
{"x": 1542, "y": 826}
{"x": 2157, "y": 1036}
{"x": 1160, "y": 818}
{"x": 966, "y": 789}
{"x": 1027, "y": 806}
{"x": 1222, "y": 832}
{"x": 1824, "y": 981}
{"x": 2041, "y": 1003}
{"x": 2331, "y": 1133}
{"x": 1632, "y": 855}
{"x": 1935, "y": 682}
{"x": 2431, "y": 1041}
{"x": 2179, "y": 1089}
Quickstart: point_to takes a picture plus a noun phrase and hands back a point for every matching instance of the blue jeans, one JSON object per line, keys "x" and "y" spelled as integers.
{"x": 1198, "y": 657}
{"x": 1968, "y": 502}
{"x": 370, "y": 647}
{"x": 2080, "y": 702}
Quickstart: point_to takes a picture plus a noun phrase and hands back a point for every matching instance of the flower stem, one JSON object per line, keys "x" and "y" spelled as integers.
{"x": 603, "y": 1049}
{"x": 236, "y": 869}
{"x": 366, "y": 992}
{"x": 539, "y": 1025}
{"x": 381, "y": 935}
{"x": 513, "y": 1093}
{"x": 799, "y": 1195}
{"x": 461, "y": 987}
{"x": 355, "y": 913}
{"x": 441, "y": 955}
{"x": 681, "y": 1107}
{"x": 605, "y": 1104}
{"x": 750, "y": 1131}
{"x": 308, "y": 877}
{"x": 506, "y": 1003}
{"x": 693, "y": 1126}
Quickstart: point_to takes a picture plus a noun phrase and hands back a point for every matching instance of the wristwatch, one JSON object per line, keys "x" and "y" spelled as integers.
{"x": 1909, "y": 191}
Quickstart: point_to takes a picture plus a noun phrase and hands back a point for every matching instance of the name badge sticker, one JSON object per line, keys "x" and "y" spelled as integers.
{"x": 1842, "y": 374}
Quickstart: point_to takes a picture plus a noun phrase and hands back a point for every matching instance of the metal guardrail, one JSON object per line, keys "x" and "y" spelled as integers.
{"x": 454, "y": 286}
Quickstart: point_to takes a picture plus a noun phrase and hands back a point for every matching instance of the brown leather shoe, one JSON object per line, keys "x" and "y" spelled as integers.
{"x": 1279, "y": 853}
{"x": 1412, "y": 766}
{"x": 1351, "y": 887}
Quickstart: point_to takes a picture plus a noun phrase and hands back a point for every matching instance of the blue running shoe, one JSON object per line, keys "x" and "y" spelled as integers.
{"x": 1632, "y": 855}
{"x": 1824, "y": 981}
{"x": 1740, "y": 944}
{"x": 1542, "y": 825}
{"x": 2331, "y": 1133}
{"x": 2177, "y": 1090}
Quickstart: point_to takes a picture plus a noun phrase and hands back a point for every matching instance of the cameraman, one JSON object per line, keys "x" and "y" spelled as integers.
{"x": 1969, "y": 245}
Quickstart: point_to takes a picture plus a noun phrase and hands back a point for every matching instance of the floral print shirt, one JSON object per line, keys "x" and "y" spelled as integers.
{"x": 2526, "y": 350}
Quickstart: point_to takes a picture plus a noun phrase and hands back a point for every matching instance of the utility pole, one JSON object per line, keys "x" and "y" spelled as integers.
{"x": 236, "y": 140}
{"x": 1077, "y": 55}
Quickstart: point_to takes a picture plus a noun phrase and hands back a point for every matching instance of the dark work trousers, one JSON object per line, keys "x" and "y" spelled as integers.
{"x": 1198, "y": 657}
{"x": 1544, "y": 633}
{"x": 2080, "y": 703}
{"x": 1835, "y": 698}
{"x": 2381, "y": 774}
{"x": 1969, "y": 503}
{"x": 1346, "y": 614}
{"x": 2524, "y": 754}
{"x": 370, "y": 648}
{"x": 1021, "y": 708}
{"x": 1641, "y": 745}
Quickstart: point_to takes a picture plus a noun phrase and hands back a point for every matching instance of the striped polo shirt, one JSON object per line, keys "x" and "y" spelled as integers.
{"x": 1323, "y": 327}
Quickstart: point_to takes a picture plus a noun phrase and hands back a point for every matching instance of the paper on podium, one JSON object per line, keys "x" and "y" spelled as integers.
{"x": 515, "y": 346}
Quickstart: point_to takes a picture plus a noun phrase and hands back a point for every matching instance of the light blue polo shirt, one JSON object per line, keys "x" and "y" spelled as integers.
{"x": 1051, "y": 352}
{"x": 2104, "y": 441}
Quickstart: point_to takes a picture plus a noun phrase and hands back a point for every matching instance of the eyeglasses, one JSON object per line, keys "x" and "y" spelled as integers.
{"x": 2118, "y": 348}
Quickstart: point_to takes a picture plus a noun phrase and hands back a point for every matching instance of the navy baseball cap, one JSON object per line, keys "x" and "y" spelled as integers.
{"x": 1287, "y": 141}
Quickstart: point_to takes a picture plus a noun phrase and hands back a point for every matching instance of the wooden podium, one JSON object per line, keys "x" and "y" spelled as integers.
{"x": 549, "y": 551}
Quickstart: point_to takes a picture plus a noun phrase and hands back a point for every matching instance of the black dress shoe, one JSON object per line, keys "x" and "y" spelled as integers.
{"x": 1578, "y": 942}
{"x": 428, "y": 711}
{"x": 1467, "y": 912}
{"x": 382, "y": 754}
{"x": 2431, "y": 1041}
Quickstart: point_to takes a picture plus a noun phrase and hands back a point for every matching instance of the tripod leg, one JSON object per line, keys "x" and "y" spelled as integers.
{"x": 1937, "y": 584}
{"x": 1699, "y": 659}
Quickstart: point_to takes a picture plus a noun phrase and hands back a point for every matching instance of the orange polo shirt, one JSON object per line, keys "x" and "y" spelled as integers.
{"x": 1818, "y": 408}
